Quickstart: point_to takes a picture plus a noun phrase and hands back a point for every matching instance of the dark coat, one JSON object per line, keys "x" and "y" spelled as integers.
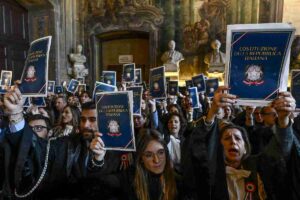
{"x": 23, "y": 160}
{"x": 205, "y": 178}
{"x": 69, "y": 173}
{"x": 122, "y": 184}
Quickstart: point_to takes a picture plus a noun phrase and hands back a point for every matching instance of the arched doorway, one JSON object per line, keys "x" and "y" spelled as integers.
{"x": 142, "y": 22}
{"x": 114, "y": 44}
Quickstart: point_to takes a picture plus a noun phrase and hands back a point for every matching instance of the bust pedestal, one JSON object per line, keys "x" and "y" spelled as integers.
{"x": 172, "y": 71}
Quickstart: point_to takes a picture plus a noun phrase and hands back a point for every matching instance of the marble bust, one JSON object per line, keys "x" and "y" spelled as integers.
{"x": 78, "y": 69}
{"x": 215, "y": 59}
{"x": 171, "y": 58}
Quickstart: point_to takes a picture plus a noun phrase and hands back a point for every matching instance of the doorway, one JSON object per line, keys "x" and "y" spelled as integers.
{"x": 117, "y": 43}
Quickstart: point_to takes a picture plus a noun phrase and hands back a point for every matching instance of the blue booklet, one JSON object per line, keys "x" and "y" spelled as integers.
{"x": 103, "y": 87}
{"x": 138, "y": 76}
{"x": 59, "y": 89}
{"x": 157, "y": 82}
{"x": 128, "y": 72}
{"x": 51, "y": 86}
{"x": 295, "y": 86}
{"x": 188, "y": 84}
{"x": 173, "y": 87}
{"x": 115, "y": 120}
{"x": 34, "y": 78}
{"x": 38, "y": 101}
{"x": 109, "y": 77}
{"x": 211, "y": 86}
{"x": 137, "y": 92}
{"x": 6, "y": 77}
{"x": 194, "y": 96}
{"x": 199, "y": 82}
{"x": 72, "y": 87}
{"x": 258, "y": 61}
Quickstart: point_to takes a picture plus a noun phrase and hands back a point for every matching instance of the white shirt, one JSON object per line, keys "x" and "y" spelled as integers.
{"x": 174, "y": 149}
{"x": 236, "y": 182}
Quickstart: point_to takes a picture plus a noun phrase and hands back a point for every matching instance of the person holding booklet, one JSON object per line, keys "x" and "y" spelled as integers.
{"x": 219, "y": 164}
{"x": 43, "y": 169}
{"x": 152, "y": 176}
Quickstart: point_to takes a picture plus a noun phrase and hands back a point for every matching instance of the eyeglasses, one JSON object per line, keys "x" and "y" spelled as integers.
{"x": 38, "y": 128}
{"x": 160, "y": 154}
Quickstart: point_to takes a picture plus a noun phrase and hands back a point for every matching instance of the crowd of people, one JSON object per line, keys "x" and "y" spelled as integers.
{"x": 216, "y": 152}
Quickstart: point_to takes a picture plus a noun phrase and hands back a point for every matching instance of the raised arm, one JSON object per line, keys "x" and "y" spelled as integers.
{"x": 13, "y": 103}
{"x": 220, "y": 99}
{"x": 97, "y": 147}
{"x": 285, "y": 104}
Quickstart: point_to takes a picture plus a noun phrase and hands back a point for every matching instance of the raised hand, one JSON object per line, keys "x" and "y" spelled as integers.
{"x": 152, "y": 104}
{"x": 97, "y": 147}
{"x": 220, "y": 99}
{"x": 285, "y": 104}
{"x": 13, "y": 101}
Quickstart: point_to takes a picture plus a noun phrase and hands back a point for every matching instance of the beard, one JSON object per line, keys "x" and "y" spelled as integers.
{"x": 88, "y": 134}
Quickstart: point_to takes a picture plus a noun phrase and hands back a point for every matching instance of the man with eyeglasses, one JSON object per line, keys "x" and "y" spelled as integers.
{"x": 261, "y": 134}
{"x": 40, "y": 125}
{"x": 269, "y": 116}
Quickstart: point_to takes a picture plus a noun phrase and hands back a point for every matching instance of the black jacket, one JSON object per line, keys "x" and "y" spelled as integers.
{"x": 23, "y": 158}
{"x": 205, "y": 178}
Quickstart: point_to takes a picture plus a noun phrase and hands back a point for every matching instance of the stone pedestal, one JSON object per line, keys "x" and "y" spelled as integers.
{"x": 172, "y": 71}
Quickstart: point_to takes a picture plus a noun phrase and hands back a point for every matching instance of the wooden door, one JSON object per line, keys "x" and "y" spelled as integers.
{"x": 13, "y": 37}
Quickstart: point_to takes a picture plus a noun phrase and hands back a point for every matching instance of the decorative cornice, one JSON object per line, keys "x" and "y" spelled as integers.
{"x": 147, "y": 18}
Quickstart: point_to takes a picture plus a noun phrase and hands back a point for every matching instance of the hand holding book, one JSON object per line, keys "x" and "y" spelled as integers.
{"x": 220, "y": 99}
{"x": 97, "y": 147}
{"x": 285, "y": 104}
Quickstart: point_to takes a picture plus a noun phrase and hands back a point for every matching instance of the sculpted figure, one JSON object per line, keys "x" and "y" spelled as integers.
{"x": 215, "y": 59}
{"x": 171, "y": 58}
{"x": 78, "y": 60}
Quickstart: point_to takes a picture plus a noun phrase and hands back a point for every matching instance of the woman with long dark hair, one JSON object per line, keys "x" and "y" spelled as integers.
{"x": 68, "y": 123}
{"x": 152, "y": 177}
